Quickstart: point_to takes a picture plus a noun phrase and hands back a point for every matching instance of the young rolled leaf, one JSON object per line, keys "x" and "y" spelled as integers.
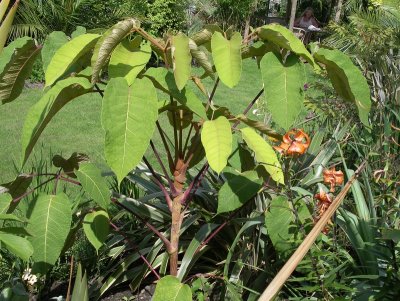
{"x": 169, "y": 288}
{"x": 216, "y": 138}
{"x": 17, "y": 245}
{"x": 128, "y": 59}
{"x": 182, "y": 59}
{"x": 265, "y": 154}
{"x": 68, "y": 54}
{"x": 7, "y": 22}
{"x": 201, "y": 58}
{"x": 283, "y": 85}
{"x": 106, "y": 44}
{"x": 227, "y": 57}
{"x": 285, "y": 38}
{"x": 16, "y": 62}
{"x": 49, "y": 224}
{"x": 237, "y": 190}
{"x": 53, "y": 42}
{"x": 347, "y": 80}
{"x": 96, "y": 228}
{"x": 94, "y": 184}
{"x": 129, "y": 116}
{"x": 45, "y": 109}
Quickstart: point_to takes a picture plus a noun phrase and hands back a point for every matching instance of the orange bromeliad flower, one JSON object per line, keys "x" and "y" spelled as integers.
{"x": 333, "y": 177}
{"x": 295, "y": 142}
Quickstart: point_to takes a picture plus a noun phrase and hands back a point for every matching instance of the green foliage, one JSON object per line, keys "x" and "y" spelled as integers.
{"x": 95, "y": 225}
{"x": 80, "y": 291}
{"x": 182, "y": 60}
{"x": 169, "y": 288}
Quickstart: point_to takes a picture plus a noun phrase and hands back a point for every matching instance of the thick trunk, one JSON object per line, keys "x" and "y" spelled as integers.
{"x": 338, "y": 11}
{"x": 292, "y": 14}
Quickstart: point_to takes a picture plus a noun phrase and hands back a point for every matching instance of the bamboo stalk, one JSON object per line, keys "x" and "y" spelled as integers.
{"x": 276, "y": 284}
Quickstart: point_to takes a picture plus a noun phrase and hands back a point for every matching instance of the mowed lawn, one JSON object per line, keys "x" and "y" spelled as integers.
{"x": 77, "y": 127}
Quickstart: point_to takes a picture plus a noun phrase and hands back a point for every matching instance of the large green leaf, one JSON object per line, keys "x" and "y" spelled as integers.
{"x": 169, "y": 288}
{"x": 67, "y": 55}
{"x": 128, "y": 59}
{"x": 164, "y": 80}
{"x": 284, "y": 38}
{"x": 216, "y": 137}
{"x": 96, "y": 228}
{"x": 94, "y": 184}
{"x": 16, "y": 62}
{"x": 237, "y": 190}
{"x": 108, "y": 41}
{"x": 227, "y": 57}
{"x": 5, "y": 200}
{"x": 17, "y": 245}
{"x": 53, "y": 42}
{"x": 181, "y": 58}
{"x": 129, "y": 116}
{"x": 44, "y": 110}
{"x": 49, "y": 224}
{"x": 265, "y": 154}
{"x": 283, "y": 85}
{"x": 347, "y": 80}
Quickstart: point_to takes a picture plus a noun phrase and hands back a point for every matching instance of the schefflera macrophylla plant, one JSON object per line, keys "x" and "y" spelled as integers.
{"x": 131, "y": 110}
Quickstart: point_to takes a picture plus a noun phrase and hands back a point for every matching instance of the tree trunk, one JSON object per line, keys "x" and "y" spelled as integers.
{"x": 246, "y": 28}
{"x": 338, "y": 11}
{"x": 292, "y": 14}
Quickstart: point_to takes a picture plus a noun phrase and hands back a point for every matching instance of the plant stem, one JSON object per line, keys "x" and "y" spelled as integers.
{"x": 70, "y": 279}
{"x": 32, "y": 190}
{"x": 99, "y": 90}
{"x": 164, "y": 141}
{"x": 161, "y": 164}
{"x": 248, "y": 108}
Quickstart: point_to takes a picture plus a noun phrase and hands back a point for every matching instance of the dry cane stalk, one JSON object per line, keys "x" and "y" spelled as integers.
{"x": 276, "y": 284}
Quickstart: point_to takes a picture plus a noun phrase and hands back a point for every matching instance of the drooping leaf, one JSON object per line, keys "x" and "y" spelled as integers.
{"x": 69, "y": 165}
{"x": 182, "y": 59}
{"x": 283, "y": 85}
{"x": 164, "y": 80}
{"x": 347, "y": 80}
{"x": 94, "y": 184}
{"x": 204, "y": 36}
{"x": 5, "y": 200}
{"x": 17, "y": 245}
{"x": 49, "y": 224}
{"x": 129, "y": 116}
{"x": 227, "y": 58}
{"x": 169, "y": 288}
{"x": 80, "y": 291}
{"x": 44, "y": 110}
{"x": 108, "y": 41}
{"x": 237, "y": 190}
{"x": 216, "y": 137}
{"x": 285, "y": 38}
{"x": 80, "y": 30}
{"x": 67, "y": 55}
{"x": 16, "y": 62}
{"x": 265, "y": 154}
{"x": 7, "y": 23}
{"x": 53, "y": 42}
{"x": 128, "y": 59}
{"x": 96, "y": 228}
{"x": 259, "y": 126}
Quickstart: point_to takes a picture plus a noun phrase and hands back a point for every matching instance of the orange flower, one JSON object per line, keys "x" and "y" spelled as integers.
{"x": 295, "y": 142}
{"x": 324, "y": 201}
{"x": 333, "y": 177}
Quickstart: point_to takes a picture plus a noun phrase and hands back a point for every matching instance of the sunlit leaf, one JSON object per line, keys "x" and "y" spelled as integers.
{"x": 169, "y": 288}
{"x": 96, "y": 228}
{"x": 182, "y": 59}
{"x": 17, "y": 245}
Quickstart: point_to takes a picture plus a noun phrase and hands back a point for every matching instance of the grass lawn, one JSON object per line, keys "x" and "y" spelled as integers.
{"x": 77, "y": 126}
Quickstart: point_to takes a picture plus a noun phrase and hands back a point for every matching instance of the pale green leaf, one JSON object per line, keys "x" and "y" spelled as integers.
{"x": 237, "y": 190}
{"x": 108, "y": 41}
{"x": 53, "y": 42}
{"x": 283, "y": 85}
{"x": 3, "y": 8}
{"x": 264, "y": 153}
{"x": 128, "y": 59}
{"x": 16, "y": 62}
{"x": 49, "y": 224}
{"x": 286, "y": 39}
{"x": 182, "y": 59}
{"x": 216, "y": 137}
{"x": 67, "y": 55}
{"x": 80, "y": 30}
{"x": 169, "y": 288}
{"x": 96, "y": 228}
{"x": 129, "y": 116}
{"x": 94, "y": 184}
{"x": 227, "y": 57}
{"x": 6, "y": 24}
{"x": 44, "y": 110}
{"x": 17, "y": 245}
{"x": 347, "y": 80}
